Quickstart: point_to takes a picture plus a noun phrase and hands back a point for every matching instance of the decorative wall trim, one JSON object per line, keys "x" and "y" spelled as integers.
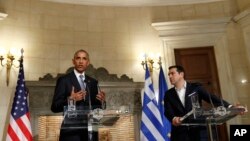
{"x": 101, "y": 74}
{"x": 243, "y": 15}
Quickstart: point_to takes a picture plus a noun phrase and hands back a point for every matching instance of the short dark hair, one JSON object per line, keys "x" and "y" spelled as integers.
{"x": 81, "y": 50}
{"x": 179, "y": 68}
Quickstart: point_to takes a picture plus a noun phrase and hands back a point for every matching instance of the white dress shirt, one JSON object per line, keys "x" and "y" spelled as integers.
{"x": 181, "y": 93}
{"x": 78, "y": 76}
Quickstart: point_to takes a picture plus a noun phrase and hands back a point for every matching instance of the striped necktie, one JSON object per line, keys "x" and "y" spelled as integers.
{"x": 83, "y": 87}
{"x": 82, "y": 83}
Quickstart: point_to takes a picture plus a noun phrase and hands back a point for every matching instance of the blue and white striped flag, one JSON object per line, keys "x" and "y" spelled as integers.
{"x": 151, "y": 122}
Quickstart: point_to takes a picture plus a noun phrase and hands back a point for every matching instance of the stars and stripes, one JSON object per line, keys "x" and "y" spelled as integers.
{"x": 19, "y": 128}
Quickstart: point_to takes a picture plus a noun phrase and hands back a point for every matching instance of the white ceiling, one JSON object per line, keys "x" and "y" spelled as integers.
{"x": 132, "y": 2}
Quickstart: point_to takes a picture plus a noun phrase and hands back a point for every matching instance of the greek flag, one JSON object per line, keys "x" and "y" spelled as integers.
{"x": 151, "y": 121}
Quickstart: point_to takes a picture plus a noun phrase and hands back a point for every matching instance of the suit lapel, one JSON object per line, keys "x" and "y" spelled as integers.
{"x": 74, "y": 81}
{"x": 87, "y": 80}
{"x": 188, "y": 104}
{"x": 179, "y": 105}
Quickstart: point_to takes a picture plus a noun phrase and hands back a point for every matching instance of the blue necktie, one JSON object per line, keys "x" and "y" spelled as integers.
{"x": 82, "y": 83}
{"x": 83, "y": 87}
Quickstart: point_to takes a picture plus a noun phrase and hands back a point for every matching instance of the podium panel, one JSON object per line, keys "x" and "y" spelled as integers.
{"x": 76, "y": 119}
{"x": 214, "y": 116}
{"x": 79, "y": 118}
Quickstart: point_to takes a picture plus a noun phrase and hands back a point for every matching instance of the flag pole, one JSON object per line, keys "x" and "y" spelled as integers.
{"x": 21, "y": 58}
{"x": 19, "y": 127}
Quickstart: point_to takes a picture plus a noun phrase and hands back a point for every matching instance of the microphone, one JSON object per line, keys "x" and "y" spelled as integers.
{"x": 88, "y": 93}
{"x": 103, "y": 106}
{"x": 211, "y": 101}
{"x": 221, "y": 101}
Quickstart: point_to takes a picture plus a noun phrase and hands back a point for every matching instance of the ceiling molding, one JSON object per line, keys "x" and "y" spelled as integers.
{"x": 243, "y": 18}
{"x": 242, "y": 15}
{"x": 132, "y": 2}
{"x": 191, "y": 27}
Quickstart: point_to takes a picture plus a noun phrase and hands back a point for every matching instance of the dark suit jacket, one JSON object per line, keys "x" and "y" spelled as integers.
{"x": 174, "y": 108}
{"x": 62, "y": 92}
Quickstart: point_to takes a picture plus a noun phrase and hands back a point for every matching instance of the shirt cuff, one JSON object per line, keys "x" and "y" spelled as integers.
{"x": 174, "y": 119}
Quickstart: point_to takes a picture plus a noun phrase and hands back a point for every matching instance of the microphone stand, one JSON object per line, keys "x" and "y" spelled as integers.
{"x": 91, "y": 120}
{"x": 88, "y": 93}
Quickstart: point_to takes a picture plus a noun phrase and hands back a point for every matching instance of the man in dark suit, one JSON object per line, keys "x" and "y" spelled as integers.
{"x": 83, "y": 90}
{"x": 177, "y": 103}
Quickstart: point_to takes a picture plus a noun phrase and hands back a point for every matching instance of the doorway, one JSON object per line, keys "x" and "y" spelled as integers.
{"x": 200, "y": 66}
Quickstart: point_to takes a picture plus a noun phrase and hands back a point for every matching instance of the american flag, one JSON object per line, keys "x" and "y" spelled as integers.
{"x": 151, "y": 121}
{"x": 19, "y": 128}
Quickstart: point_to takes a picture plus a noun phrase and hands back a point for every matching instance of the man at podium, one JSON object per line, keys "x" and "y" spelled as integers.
{"x": 177, "y": 103}
{"x": 82, "y": 90}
